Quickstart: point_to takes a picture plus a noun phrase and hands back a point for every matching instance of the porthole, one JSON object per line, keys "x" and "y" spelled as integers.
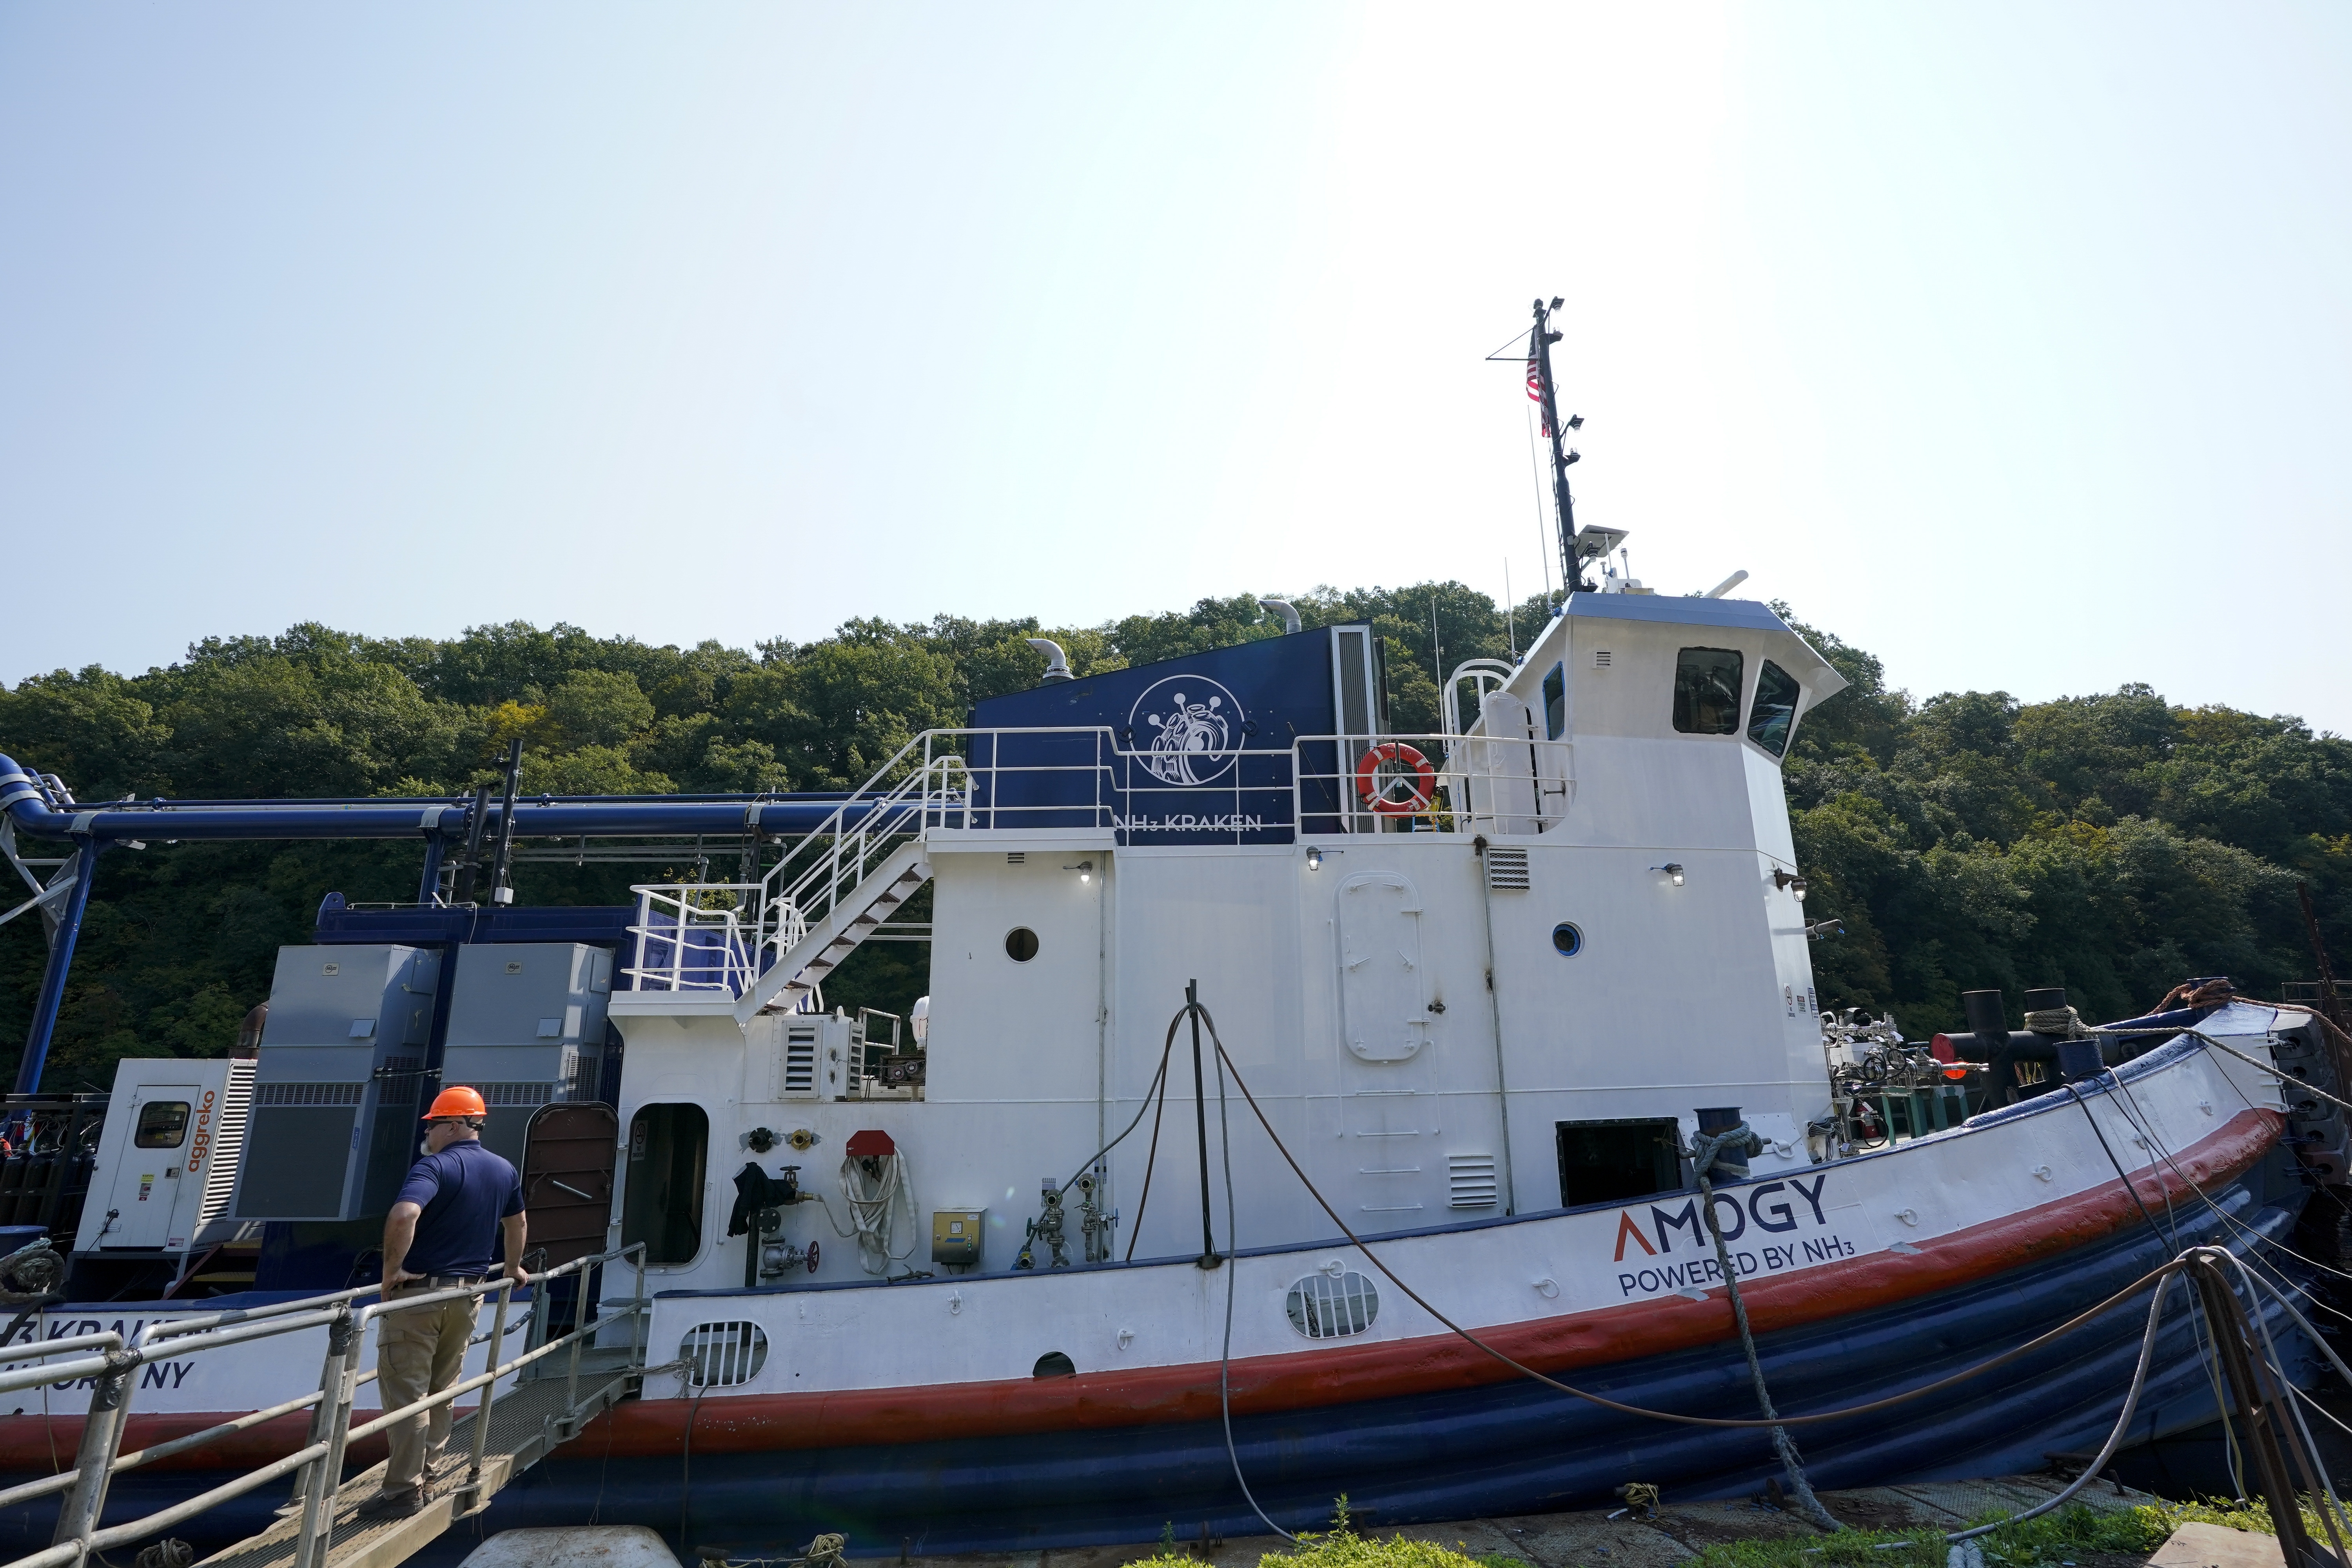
{"x": 1054, "y": 1363}
{"x": 1324, "y": 1308}
{"x": 720, "y": 1355}
{"x": 1567, "y": 941}
{"x": 1021, "y": 944}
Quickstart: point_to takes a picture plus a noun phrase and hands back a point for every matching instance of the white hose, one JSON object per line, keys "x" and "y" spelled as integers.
{"x": 871, "y": 1199}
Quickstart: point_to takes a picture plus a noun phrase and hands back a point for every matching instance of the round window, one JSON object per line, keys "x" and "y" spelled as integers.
{"x": 1567, "y": 939}
{"x": 1323, "y": 1307}
{"x": 1021, "y": 944}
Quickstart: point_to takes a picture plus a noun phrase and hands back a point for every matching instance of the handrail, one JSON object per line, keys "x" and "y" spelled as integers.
{"x": 100, "y": 1457}
{"x": 958, "y": 778}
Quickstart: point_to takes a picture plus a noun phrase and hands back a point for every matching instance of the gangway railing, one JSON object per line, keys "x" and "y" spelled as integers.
{"x": 318, "y": 1464}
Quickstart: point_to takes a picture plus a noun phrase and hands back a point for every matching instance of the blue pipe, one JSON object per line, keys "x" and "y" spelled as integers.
{"x": 91, "y": 829}
{"x": 53, "y": 977}
{"x": 608, "y": 817}
{"x": 429, "y": 884}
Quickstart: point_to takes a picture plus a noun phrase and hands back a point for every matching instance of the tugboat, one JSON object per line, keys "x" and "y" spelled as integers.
{"x": 1296, "y": 1107}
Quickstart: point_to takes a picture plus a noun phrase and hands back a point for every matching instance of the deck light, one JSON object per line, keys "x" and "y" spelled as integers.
{"x": 1314, "y": 860}
{"x": 1085, "y": 868}
{"x": 1790, "y": 881}
{"x": 1674, "y": 870}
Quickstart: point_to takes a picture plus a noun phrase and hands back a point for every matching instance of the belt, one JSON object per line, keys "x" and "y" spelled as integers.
{"x": 445, "y": 1282}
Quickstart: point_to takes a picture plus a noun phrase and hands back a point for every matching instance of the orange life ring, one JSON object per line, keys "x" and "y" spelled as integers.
{"x": 1369, "y": 788}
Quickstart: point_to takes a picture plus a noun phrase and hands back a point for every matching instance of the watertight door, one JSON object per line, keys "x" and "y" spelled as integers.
{"x": 1382, "y": 1002}
{"x": 567, "y": 1179}
{"x": 1388, "y": 1117}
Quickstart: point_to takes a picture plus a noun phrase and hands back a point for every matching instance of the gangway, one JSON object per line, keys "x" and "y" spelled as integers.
{"x": 544, "y": 1403}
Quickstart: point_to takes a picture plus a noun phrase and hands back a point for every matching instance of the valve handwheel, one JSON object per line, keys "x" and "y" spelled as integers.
{"x": 1420, "y": 783}
{"x": 811, "y": 1254}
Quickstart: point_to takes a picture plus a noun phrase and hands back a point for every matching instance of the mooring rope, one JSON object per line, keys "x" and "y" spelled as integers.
{"x": 1704, "y": 1146}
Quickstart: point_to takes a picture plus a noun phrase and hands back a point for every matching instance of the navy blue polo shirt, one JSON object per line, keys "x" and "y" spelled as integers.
{"x": 465, "y": 1191}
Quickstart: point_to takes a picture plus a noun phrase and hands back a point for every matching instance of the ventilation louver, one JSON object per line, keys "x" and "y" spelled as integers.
{"x": 800, "y": 1060}
{"x": 1507, "y": 870}
{"x": 1324, "y": 1307}
{"x": 229, "y": 1143}
{"x": 720, "y": 1355}
{"x": 1471, "y": 1181}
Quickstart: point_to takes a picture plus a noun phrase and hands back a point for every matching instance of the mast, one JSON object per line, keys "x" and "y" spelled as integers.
{"x": 1542, "y": 387}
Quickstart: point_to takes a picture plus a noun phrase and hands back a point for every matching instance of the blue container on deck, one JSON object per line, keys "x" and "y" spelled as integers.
{"x": 13, "y": 1236}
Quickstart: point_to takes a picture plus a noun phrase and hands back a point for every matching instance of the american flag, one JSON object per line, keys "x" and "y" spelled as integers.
{"x": 1534, "y": 385}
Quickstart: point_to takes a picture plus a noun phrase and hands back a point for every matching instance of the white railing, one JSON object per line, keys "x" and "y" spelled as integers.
{"x": 721, "y": 937}
{"x": 1430, "y": 784}
{"x": 705, "y": 936}
{"x": 113, "y": 1365}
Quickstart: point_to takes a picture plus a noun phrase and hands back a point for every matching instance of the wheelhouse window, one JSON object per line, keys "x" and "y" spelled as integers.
{"x": 1707, "y": 691}
{"x": 668, "y": 1146}
{"x": 1555, "y": 690}
{"x": 1775, "y": 709}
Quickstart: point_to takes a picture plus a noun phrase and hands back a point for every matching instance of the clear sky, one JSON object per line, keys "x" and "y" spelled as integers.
{"x": 2010, "y": 342}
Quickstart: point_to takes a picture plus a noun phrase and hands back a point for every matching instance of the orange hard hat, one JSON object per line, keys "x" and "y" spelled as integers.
{"x": 457, "y": 1100}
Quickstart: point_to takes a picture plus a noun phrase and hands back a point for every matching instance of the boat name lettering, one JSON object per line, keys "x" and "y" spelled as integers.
{"x": 1232, "y": 823}
{"x": 155, "y": 1374}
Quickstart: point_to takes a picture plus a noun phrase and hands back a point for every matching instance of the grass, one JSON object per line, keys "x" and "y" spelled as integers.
{"x": 2048, "y": 1541}
{"x": 1342, "y": 1547}
{"x": 2053, "y": 1540}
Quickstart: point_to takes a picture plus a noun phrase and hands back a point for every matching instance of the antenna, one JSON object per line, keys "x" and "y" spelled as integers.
{"x": 1542, "y": 387}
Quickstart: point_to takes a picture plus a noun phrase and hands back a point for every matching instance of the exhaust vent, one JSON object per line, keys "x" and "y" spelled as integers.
{"x": 228, "y": 1143}
{"x": 800, "y": 1060}
{"x": 1471, "y": 1178}
{"x": 1507, "y": 870}
{"x": 1601, "y": 658}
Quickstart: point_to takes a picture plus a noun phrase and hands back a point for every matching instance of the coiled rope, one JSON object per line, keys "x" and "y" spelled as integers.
{"x": 2063, "y": 1022}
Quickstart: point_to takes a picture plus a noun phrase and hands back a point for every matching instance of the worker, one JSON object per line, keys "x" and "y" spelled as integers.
{"x": 459, "y": 1201}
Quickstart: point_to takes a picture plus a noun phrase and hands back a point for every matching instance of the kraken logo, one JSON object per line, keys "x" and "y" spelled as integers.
{"x": 1186, "y": 730}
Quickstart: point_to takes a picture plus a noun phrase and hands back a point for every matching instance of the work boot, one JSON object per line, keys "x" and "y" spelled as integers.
{"x": 395, "y": 1502}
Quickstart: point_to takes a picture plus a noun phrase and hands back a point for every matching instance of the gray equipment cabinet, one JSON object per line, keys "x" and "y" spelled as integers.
{"x": 335, "y": 1090}
{"x": 527, "y": 1029}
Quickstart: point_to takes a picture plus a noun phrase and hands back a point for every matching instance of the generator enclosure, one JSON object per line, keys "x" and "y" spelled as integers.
{"x": 526, "y": 1028}
{"x": 167, "y": 1156}
{"x": 335, "y": 1092}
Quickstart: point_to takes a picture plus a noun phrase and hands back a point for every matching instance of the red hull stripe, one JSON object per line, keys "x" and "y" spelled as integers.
{"x": 1301, "y": 1379}
{"x": 1309, "y": 1379}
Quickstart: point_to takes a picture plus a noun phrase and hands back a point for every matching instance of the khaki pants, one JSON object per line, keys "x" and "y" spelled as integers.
{"x": 418, "y": 1352}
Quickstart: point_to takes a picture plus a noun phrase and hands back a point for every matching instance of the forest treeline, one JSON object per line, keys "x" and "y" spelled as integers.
{"x": 2114, "y": 843}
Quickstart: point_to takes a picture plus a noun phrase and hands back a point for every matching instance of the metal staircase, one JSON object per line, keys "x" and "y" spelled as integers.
{"x": 828, "y": 940}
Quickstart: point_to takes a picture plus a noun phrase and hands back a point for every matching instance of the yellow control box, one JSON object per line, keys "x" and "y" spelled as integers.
{"x": 955, "y": 1236}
